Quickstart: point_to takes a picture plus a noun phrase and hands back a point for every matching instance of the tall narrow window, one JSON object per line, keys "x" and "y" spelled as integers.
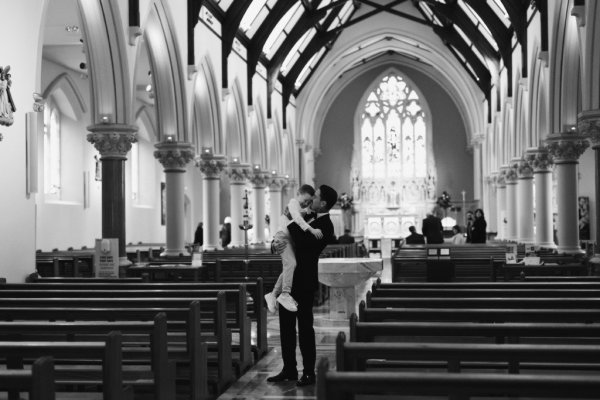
{"x": 393, "y": 134}
{"x": 135, "y": 172}
{"x": 52, "y": 154}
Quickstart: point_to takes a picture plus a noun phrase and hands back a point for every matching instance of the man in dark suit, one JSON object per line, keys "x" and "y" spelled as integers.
{"x": 346, "y": 238}
{"x": 306, "y": 282}
{"x": 414, "y": 237}
{"x": 432, "y": 227}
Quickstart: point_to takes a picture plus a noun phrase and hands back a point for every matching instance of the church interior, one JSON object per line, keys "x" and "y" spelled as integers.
{"x": 125, "y": 126}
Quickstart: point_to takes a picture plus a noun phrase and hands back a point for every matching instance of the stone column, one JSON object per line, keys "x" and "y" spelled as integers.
{"x": 300, "y": 149}
{"x": 113, "y": 141}
{"x": 259, "y": 183}
{"x": 565, "y": 149}
{"x": 525, "y": 202}
{"x": 491, "y": 211}
{"x": 275, "y": 185}
{"x": 289, "y": 190}
{"x": 238, "y": 177}
{"x": 588, "y": 124}
{"x": 511, "y": 200}
{"x": 211, "y": 167}
{"x": 476, "y": 142}
{"x": 501, "y": 203}
{"x": 541, "y": 162}
{"x": 174, "y": 156}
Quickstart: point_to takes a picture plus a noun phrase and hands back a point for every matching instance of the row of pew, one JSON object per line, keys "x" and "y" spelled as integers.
{"x": 129, "y": 339}
{"x": 466, "y": 340}
{"x": 477, "y": 262}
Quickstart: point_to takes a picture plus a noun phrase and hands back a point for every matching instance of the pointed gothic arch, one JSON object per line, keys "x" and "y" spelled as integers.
{"x": 167, "y": 74}
{"x": 235, "y": 123}
{"x": 257, "y": 135}
{"x": 206, "y": 123}
{"x": 106, "y": 57}
{"x": 67, "y": 96}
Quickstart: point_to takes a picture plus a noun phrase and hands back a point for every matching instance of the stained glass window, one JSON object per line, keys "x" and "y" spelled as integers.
{"x": 393, "y": 132}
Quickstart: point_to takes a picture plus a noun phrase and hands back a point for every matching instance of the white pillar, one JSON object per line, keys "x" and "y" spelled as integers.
{"x": 211, "y": 167}
{"x": 476, "y": 142}
{"x": 501, "y": 203}
{"x": 541, "y": 162}
{"x": 588, "y": 124}
{"x": 275, "y": 185}
{"x": 525, "y": 202}
{"x": 238, "y": 176}
{"x": 565, "y": 149}
{"x": 491, "y": 210}
{"x": 511, "y": 200}
{"x": 259, "y": 182}
{"x": 174, "y": 157}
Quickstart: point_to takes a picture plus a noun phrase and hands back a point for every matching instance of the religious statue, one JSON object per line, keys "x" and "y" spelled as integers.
{"x": 7, "y": 105}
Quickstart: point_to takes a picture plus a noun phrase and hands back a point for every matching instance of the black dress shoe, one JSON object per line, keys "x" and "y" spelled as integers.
{"x": 306, "y": 380}
{"x": 283, "y": 376}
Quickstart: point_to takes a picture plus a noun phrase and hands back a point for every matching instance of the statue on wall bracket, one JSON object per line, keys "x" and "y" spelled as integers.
{"x": 7, "y": 105}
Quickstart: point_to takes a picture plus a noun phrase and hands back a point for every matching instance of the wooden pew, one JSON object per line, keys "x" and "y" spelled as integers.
{"x": 455, "y": 357}
{"x": 518, "y": 271}
{"x": 132, "y": 343}
{"x": 333, "y": 385}
{"x": 73, "y": 263}
{"x": 485, "y": 302}
{"x": 256, "y": 309}
{"x": 63, "y": 279}
{"x": 186, "y": 320}
{"x": 478, "y": 332}
{"x": 107, "y": 353}
{"x": 518, "y": 314}
{"x": 38, "y": 381}
{"x": 236, "y": 318}
{"x": 487, "y": 285}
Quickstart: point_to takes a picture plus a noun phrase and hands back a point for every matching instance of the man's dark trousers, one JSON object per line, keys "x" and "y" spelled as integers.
{"x": 306, "y": 334}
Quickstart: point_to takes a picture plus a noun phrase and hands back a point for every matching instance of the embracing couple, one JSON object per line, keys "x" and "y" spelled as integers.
{"x": 300, "y": 245}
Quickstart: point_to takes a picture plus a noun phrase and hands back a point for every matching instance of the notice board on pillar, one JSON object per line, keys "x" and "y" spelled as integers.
{"x": 106, "y": 262}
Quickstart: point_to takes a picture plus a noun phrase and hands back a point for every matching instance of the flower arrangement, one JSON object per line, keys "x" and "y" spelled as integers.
{"x": 345, "y": 201}
{"x": 444, "y": 200}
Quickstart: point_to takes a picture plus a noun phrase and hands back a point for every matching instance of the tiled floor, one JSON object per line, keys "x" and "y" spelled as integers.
{"x": 254, "y": 386}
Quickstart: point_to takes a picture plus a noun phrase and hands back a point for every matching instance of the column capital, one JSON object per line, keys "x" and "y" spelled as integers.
{"x": 112, "y": 140}
{"x": 539, "y": 158}
{"x": 477, "y": 139}
{"x": 566, "y": 147}
{"x": 524, "y": 169}
{"x": 174, "y": 156}
{"x": 276, "y": 183}
{"x": 588, "y": 124}
{"x": 299, "y": 142}
{"x": 212, "y": 165}
{"x": 259, "y": 178}
{"x": 501, "y": 177}
{"x": 238, "y": 173}
{"x": 511, "y": 171}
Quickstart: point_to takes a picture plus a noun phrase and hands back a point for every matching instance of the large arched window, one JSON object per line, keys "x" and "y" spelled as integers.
{"x": 393, "y": 132}
{"x": 52, "y": 153}
{"x": 393, "y": 168}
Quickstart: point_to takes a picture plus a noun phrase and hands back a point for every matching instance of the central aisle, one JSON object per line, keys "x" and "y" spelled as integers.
{"x": 254, "y": 386}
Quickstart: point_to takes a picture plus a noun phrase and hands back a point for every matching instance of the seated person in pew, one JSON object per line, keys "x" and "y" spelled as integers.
{"x": 414, "y": 237}
{"x": 458, "y": 237}
{"x": 294, "y": 212}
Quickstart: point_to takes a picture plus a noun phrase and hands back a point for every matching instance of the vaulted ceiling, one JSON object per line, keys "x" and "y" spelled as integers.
{"x": 291, "y": 38}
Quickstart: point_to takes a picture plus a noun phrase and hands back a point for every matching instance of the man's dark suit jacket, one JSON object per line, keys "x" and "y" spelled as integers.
{"x": 415, "y": 238}
{"x": 307, "y": 249}
{"x": 433, "y": 230}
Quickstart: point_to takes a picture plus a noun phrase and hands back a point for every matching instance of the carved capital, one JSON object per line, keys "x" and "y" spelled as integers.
{"x": 511, "y": 172}
{"x": 524, "y": 169}
{"x": 259, "y": 179}
{"x": 238, "y": 173}
{"x": 174, "y": 156}
{"x": 501, "y": 177}
{"x": 300, "y": 142}
{"x": 276, "y": 183}
{"x": 212, "y": 166}
{"x": 588, "y": 124}
{"x": 477, "y": 139}
{"x": 539, "y": 159}
{"x": 112, "y": 140}
{"x": 38, "y": 102}
{"x": 566, "y": 147}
